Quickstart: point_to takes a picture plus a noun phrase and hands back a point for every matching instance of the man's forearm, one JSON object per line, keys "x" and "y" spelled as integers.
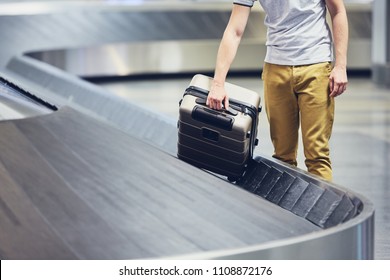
{"x": 230, "y": 41}
{"x": 340, "y": 36}
{"x": 338, "y": 79}
{"x": 226, "y": 54}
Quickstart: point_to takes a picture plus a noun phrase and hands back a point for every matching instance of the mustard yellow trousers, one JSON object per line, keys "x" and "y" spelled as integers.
{"x": 298, "y": 96}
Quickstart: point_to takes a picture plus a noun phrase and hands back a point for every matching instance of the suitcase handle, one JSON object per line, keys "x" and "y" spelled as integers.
{"x": 212, "y": 117}
{"x": 230, "y": 110}
{"x": 238, "y": 105}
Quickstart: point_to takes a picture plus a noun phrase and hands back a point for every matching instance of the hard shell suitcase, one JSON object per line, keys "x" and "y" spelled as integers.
{"x": 219, "y": 141}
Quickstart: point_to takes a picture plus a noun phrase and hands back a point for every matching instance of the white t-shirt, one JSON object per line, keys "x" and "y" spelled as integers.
{"x": 297, "y": 31}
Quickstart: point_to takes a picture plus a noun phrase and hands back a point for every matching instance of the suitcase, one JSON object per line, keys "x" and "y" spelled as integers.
{"x": 219, "y": 141}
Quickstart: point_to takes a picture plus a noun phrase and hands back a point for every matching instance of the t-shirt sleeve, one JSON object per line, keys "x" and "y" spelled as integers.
{"x": 248, "y": 3}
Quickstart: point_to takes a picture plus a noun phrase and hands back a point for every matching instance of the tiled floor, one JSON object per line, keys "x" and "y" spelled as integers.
{"x": 360, "y": 142}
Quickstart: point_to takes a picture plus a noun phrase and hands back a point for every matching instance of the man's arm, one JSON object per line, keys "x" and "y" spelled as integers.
{"x": 226, "y": 53}
{"x": 338, "y": 77}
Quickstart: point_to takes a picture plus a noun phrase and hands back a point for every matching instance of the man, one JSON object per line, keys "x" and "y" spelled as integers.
{"x": 300, "y": 83}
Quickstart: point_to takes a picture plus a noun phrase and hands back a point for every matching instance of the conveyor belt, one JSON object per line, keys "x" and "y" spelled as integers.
{"x": 76, "y": 188}
{"x": 15, "y": 103}
{"x": 303, "y": 195}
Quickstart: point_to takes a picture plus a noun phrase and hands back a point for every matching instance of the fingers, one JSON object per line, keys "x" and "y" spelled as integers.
{"x": 218, "y": 104}
{"x": 337, "y": 88}
{"x": 338, "y": 81}
{"x": 217, "y": 99}
{"x": 214, "y": 103}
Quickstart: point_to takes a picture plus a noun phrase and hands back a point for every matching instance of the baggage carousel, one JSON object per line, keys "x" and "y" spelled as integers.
{"x": 86, "y": 175}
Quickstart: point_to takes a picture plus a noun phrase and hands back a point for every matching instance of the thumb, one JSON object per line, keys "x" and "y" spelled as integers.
{"x": 331, "y": 83}
{"x": 226, "y": 102}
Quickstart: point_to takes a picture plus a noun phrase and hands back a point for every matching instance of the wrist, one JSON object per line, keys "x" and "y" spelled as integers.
{"x": 340, "y": 67}
{"x": 218, "y": 82}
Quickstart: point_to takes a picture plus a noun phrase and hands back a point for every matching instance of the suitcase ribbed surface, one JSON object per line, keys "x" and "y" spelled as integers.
{"x": 290, "y": 190}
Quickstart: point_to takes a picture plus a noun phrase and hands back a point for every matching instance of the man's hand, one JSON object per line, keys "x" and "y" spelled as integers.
{"x": 217, "y": 96}
{"x": 338, "y": 81}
